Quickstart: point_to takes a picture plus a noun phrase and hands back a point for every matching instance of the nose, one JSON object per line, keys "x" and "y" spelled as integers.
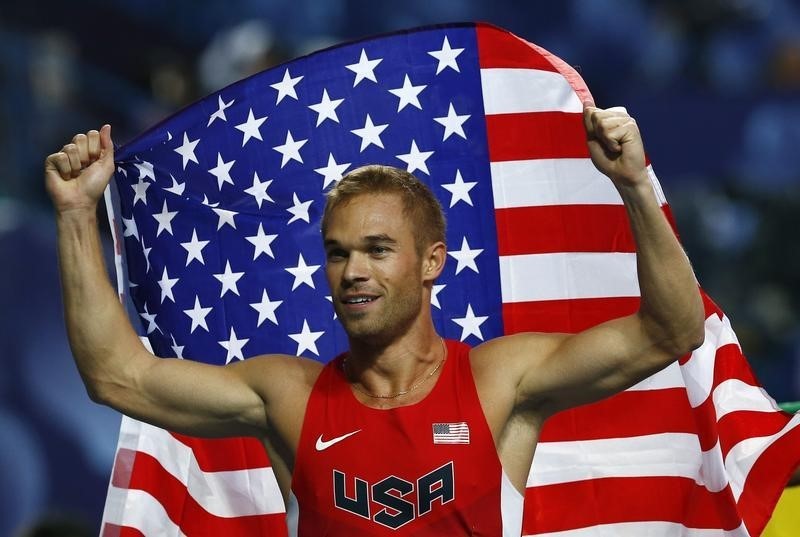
{"x": 356, "y": 268}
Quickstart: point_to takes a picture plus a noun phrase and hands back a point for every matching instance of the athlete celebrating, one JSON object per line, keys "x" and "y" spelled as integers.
{"x": 406, "y": 433}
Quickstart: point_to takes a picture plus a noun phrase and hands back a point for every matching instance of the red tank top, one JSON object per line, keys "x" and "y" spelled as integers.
{"x": 428, "y": 469}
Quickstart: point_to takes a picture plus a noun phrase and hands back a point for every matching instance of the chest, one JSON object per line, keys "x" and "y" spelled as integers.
{"x": 429, "y": 465}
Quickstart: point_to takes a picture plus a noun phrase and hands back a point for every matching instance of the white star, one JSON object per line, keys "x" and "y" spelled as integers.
{"x": 370, "y": 134}
{"x": 459, "y": 190}
{"x": 437, "y": 288}
{"x": 453, "y": 123}
{"x": 169, "y": 136}
{"x": 186, "y": 150}
{"x": 198, "y": 315}
{"x": 326, "y": 108}
{"x": 194, "y": 249}
{"x": 145, "y": 170}
{"x": 302, "y": 273}
{"x": 234, "y": 347}
{"x": 262, "y": 243}
{"x": 250, "y": 127}
{"x": 306, "y": 339}
{"x": 446, "y": 56}
{"x": 415, "y": 159}
{"x": 465, "y": 257}
{"x": 177, "y": 349}
{"x": 130, "y": 228}
{"x": 299, "y": 210}
{"x": 140, "y": 191}
{"x": 220, "y": 113}
{"x": 166, "y": 284}
{"x": 222, "y": 171}
{"x": 151, "y": 320}
{"x": 208, "y": 203}
{"x": 408, "y": 94}
{"x": 266, "y": 309}
{"x": 225, "y": 217}
{"x": 164, "y": 219}
{"x": 290, "y": 150}
{"x": 228, "y": 280}
{"x": 146, "y": 252}
{"x": 176, "y": 188}
{"x": 470, "y": 324}
{"x": 286, "y": 86}
{"x": 259, "y": 190}
{"x": 364, "y": 68}
{"x": 122, "y": 170}
{"x": 332, "y": 172}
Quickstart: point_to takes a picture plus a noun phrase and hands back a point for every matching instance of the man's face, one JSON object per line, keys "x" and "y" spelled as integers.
{"x": 373, "y": 268}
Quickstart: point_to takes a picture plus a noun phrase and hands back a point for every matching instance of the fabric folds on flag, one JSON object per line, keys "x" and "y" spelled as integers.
{"x": 220, "y": 258}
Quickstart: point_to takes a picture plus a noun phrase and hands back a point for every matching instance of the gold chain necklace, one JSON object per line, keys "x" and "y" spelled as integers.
{"x": 416, "y": 385}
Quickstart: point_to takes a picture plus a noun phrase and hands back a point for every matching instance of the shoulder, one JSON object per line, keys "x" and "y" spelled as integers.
{"x": 279, "y": 376}
{"x": 521, "y": 350}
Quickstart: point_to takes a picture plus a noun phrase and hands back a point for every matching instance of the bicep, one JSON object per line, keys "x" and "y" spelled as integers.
{"x": 201, "y": 399}
{"x": 559, "y": 371}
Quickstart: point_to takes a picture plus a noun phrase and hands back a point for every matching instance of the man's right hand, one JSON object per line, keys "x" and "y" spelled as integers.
{"x": 76, "y": 176}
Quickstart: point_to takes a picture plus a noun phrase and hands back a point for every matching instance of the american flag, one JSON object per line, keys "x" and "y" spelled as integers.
{"x": 220, "y": 258}
{"x": 451, "y": 433}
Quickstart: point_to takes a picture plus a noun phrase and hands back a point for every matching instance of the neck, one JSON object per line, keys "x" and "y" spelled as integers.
{"x": 382, "y": 370}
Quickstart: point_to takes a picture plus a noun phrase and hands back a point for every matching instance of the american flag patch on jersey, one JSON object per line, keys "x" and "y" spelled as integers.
{"x": 451, "y": 433}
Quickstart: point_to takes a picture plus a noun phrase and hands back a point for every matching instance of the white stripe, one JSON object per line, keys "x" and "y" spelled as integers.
{"x": 511, "y": 507}
{"x": 639, "y": 529}
{"x": 255, "y": 490}
{"x": 509, "y": 91}
{"x": 669, "y": 377}
{"x": 698, "y": 372}
{"x": 734, "y": 395}
{"x": 138, "y": 509}
{"x": 544, "y": 182}
{"x": 743, "y": 456}
{"x": 657, "y": 455}
{"x": 667, "y": 454}
{"x": 561, "y": 276}
{"x": 662, "y": 199}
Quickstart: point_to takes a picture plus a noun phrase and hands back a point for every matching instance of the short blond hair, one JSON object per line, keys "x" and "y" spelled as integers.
{"x": 419, "y": 203}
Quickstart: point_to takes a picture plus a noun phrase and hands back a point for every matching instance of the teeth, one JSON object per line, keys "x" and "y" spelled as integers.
{"x": 361, "y": 300}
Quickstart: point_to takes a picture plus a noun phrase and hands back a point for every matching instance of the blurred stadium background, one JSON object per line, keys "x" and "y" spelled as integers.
{"x": 714, "y": 84}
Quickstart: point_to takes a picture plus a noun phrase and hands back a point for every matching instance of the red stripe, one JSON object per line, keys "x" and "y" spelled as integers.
{"x": 766, "y": 480}
{"x": 226, "y": 454}
{"x": 536, "y": 135}
{"x": 499, "y": 48}
{"x": 627, "y": 414}
{"x": 148, "y": 475}
{"x": 581, "y": 504}
{"x": 112, "y": 530}
{"x": 730, "y": 364}
{"x": 567, "y": 316}
{"x": 563, "y": 228}
{"x": 736, "y": 426}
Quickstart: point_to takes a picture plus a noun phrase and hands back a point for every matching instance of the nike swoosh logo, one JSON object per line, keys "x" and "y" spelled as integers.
{"x": 322, "y": 445}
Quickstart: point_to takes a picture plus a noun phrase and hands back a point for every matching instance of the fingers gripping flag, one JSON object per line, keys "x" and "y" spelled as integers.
{"x": 220, "y": 258}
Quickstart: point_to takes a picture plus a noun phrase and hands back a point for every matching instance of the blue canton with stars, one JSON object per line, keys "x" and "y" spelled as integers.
{"x": 220, "y": 204}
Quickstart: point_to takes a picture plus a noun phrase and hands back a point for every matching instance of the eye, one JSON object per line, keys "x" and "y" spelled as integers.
{"x": 379, "y": 250}
{"x": 336, "y": 254}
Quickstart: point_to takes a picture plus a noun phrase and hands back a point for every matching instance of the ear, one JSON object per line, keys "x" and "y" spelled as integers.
{"x": 433, "y": 260}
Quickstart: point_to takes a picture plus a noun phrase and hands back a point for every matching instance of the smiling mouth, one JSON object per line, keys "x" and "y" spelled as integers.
{"x": 357, "y": 301}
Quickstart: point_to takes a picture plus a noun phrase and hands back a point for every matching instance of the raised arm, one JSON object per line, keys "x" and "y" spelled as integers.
{"x": 116, "y": 368}
{"x": 553, "y": 372}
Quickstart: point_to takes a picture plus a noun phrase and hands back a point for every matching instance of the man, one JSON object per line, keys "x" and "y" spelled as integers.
{"x": 404, "y": 432}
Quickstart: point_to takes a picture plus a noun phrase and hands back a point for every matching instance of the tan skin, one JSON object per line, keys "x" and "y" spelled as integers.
{"x": 371, "y": 253}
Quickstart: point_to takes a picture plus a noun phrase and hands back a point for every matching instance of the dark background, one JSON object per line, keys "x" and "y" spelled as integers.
{"x": 714, "y": 84}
